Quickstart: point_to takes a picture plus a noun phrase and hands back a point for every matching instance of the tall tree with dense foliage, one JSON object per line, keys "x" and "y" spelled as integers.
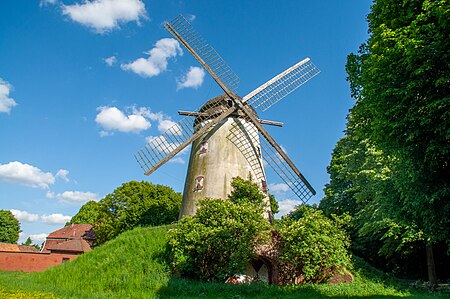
{"x": 130, "y": 205}
{"x": 9, "y": 227}
{"x": 400, "y": 79}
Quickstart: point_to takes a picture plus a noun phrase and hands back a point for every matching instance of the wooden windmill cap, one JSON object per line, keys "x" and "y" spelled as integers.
{"x": 214, "y": 107}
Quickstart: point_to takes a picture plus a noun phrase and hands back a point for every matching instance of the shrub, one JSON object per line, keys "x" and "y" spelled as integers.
{"x": 219, "y": 240}
{"x": 312, "y": 247}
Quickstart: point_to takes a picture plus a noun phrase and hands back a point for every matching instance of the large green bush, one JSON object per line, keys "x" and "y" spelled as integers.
{"x": 311, "y": 246}
{"x": 219, "y": 240}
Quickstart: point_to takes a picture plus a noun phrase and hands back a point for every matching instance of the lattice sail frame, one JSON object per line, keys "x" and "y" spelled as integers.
{"x": 247, "y": 142}
{"x": 280, "y": 86}
{"x": 158, "y": 148}
{"x": 180, "y": 27}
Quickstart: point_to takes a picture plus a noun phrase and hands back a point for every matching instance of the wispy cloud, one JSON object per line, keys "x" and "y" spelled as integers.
{"x": 74, "y": 196}
{"x": 193, "y": 79}
{"x": 105, "y": 15}
{"x": 24, "y": 216}
{"x": 55, "y": 218}
{"x": 286, "y": 206}
{"x": 6, "y": 103}
{"x": 38, "y": 238}
{"x": 278, "y": 188}
{"x": 25, "y": 174}
{"x": 62, "y": 174}
{"x": 110, "y": 60}
{"x": 157, "y": 59}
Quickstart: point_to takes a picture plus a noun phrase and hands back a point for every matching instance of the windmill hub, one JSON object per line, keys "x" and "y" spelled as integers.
{"x": 216, "y": 106}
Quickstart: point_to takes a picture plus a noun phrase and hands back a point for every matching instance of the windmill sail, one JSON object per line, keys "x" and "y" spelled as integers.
{"x": 161, "y": 149}
{"x": 281, "y": 85}
{"x": 183, "y": 31}
{"x": 244, "y": 137}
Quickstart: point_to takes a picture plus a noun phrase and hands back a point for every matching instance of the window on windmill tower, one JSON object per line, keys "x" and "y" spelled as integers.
{"x": 199, "y": 182}
{"x": 203, "y": 147}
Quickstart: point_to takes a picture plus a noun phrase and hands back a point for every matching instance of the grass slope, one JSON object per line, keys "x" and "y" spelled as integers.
{"x": 131, "y": 266}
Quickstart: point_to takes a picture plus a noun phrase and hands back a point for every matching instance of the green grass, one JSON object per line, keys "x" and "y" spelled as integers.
{"x": 131, "y": 266}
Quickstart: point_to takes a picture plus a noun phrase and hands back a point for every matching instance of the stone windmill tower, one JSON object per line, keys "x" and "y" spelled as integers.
{"x": 227, "y": 136}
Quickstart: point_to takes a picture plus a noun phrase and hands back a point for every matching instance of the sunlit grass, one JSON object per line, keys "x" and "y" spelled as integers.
{"x": 131, "y": 266}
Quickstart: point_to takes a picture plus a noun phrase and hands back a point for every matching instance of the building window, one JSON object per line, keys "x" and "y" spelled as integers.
{"x": 65, "y": 260}
{"x": 203, "y": 147}
{"x": 198, "y": 183}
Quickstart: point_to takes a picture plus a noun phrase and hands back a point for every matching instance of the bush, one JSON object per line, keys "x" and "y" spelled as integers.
{"x": 312, "y": 247}
{"x": 219, "y": 240}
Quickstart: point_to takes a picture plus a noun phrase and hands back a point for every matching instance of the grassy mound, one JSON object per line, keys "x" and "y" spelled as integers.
{"x": 131, "y": 266}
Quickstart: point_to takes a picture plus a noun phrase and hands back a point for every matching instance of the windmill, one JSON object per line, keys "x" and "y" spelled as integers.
{"x": 227, "y": 136}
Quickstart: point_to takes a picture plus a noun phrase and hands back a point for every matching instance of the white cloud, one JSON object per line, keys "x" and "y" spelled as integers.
{"x": 74, "y": 196}
{"x": 167, "y": 124}
{"x": 191, "y": 18}
{"x": 161, "y": 144}
{"x": 177, "y": 160}
{"x": 55, "y": 218}
{"x": 38, "y": 238}
{"x": 158, "y": 58}
{"x": 24, "y": 174}
{"x": 62, "y": 174}
{"x": 111, "y": 118}
{"x": 105, "y": 15}
{"x": 6, "y": 103}
{"x": 286, "y": 206}
{"x": 47, "y": 2}
{"x": 25, "y": 216}
{"x": 278, "y": 188}
{"x": 110, "y": 60}
{"x": 193, "y": 79}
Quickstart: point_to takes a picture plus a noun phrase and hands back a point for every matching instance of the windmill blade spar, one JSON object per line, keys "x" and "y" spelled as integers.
{"x": 185, "y": 33}
{"x": 281, "y": 85}
{"x": 161, "y": 149}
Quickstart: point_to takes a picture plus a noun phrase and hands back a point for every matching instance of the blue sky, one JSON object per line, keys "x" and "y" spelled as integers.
{"x": 84, "y": 84}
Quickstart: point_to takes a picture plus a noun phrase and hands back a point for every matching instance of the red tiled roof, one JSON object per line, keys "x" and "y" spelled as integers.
{"x": 8, "y": 247}
{"x": 72, "y": 231}
{"x": 26, "y": 248}
{"x": 74, "y": 245}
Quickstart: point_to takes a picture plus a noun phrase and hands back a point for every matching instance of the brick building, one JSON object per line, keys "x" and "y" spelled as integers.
{"x": 61, "y": 246}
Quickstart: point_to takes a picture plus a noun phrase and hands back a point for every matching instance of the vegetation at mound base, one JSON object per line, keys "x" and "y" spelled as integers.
{"x": 130, "y": 266}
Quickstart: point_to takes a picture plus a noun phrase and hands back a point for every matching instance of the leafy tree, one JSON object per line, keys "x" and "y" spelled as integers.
{"x": 9, "y": 227}
{"x": 400, "y": 80}
{"x": 130, "y": 205}
{"x": 89, "y": 213}
{"x": 29, "y": 242}
{"x": 311, "y": 245}
{"x": 219, "y": 240}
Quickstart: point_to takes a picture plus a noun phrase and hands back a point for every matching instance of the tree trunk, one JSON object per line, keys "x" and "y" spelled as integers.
{"x": 430, "y": 263}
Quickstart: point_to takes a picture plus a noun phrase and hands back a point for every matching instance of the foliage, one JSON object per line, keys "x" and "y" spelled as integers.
{"x": 219, "y": 240}
{"x": 274, "y": 207}
{"x": 312, "y": 245}
{"x": 29, "y": 242}
{"x": 9, "y": 227}
{"x": 128, "y": 206}
{"x": 130, "y": 267}
{"x": 89, "y": 213}
{"x": 400, "y": 79}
